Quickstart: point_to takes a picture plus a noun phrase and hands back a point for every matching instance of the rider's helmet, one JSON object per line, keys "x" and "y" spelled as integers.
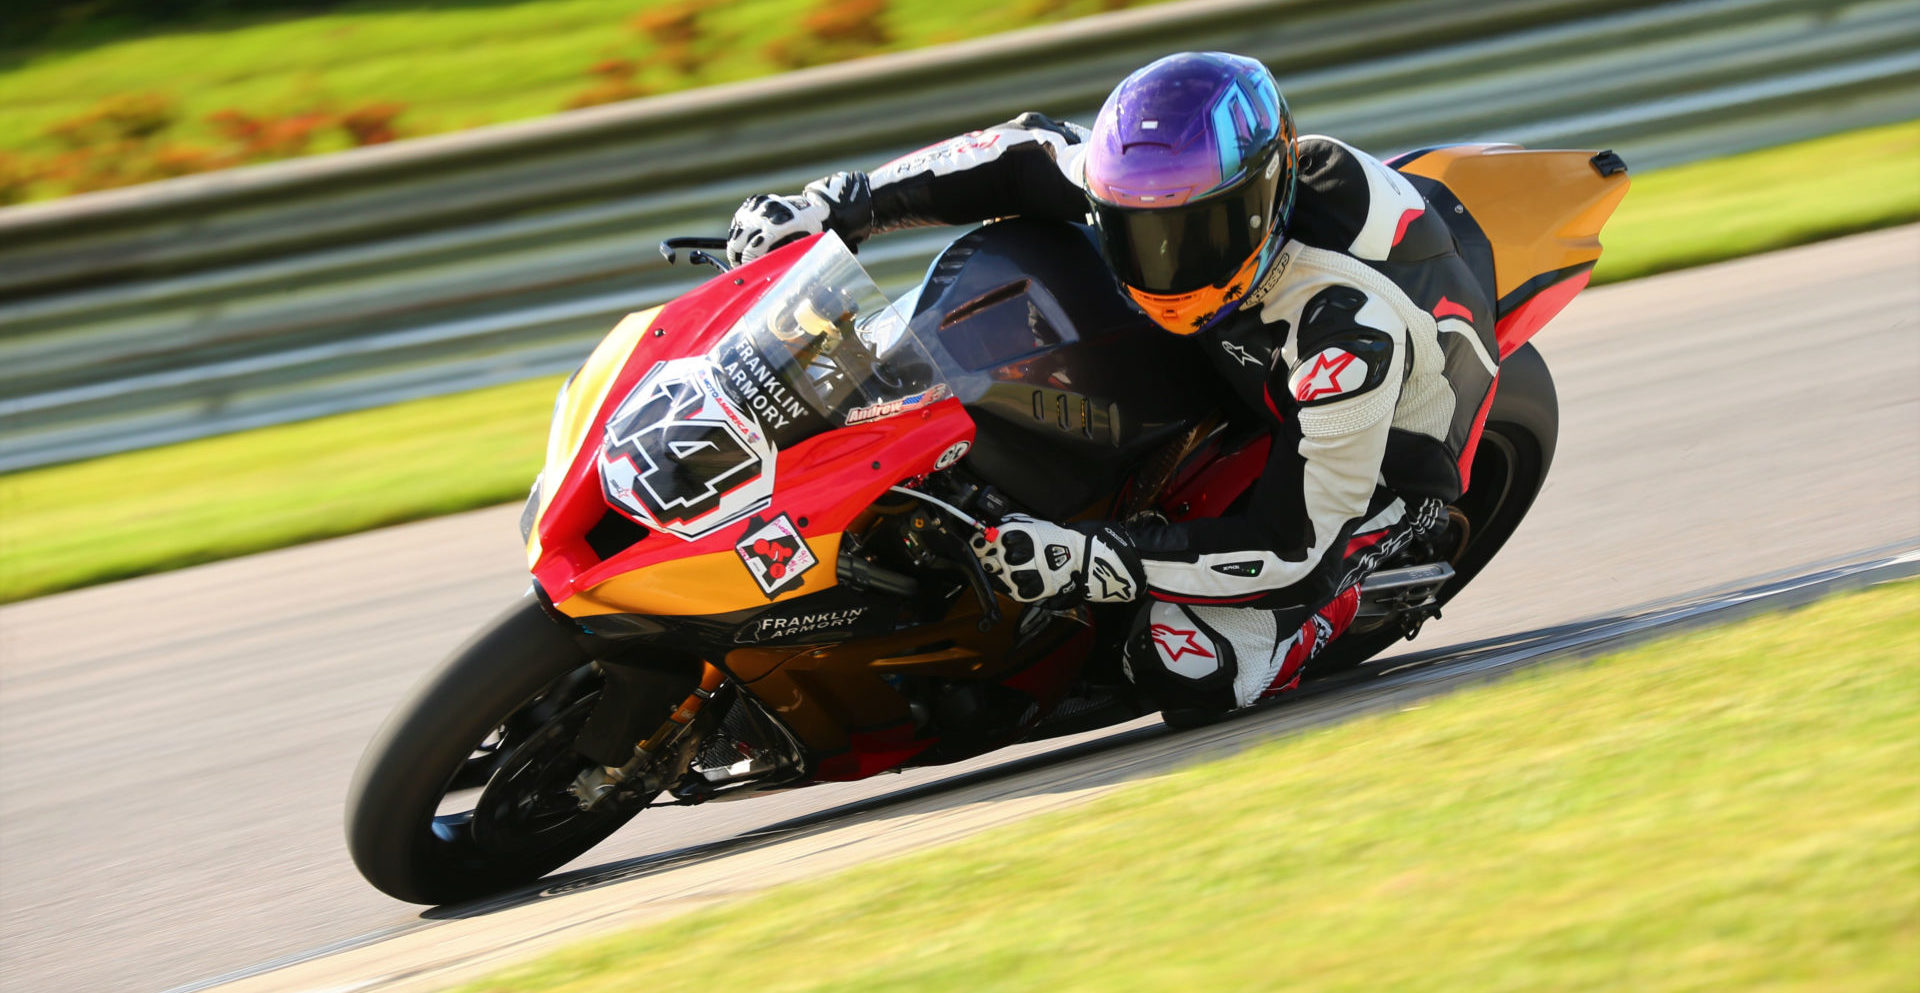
{"x": 1190, "y": 171}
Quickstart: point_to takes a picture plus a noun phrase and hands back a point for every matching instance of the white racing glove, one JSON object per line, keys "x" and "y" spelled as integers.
{"x": 842, "y": 202}
{"x": 1032, "y": 560}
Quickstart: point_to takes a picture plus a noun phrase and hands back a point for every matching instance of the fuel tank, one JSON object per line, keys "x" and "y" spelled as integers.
{"x": 1070, "y": 387}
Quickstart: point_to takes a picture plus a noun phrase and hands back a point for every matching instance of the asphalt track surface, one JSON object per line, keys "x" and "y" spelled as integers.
{"x": 174, "y": 750}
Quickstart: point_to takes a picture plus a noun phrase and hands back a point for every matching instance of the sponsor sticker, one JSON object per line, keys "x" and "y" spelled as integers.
{"x": 954, "y": 453}
{"x": 759, "y": 388}
{"x": 888, "y": 408}
{"x": 800, "y": 625}
{"x": 775, "y": 554}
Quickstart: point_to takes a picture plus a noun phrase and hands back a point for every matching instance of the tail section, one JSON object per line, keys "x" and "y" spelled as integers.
{"x": 1538, "y": 211}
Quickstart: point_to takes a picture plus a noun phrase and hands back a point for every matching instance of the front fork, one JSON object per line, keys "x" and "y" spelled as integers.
{"x": 660, "y": 756}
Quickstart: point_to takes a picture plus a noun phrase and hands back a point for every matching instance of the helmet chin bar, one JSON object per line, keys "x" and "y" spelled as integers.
{"x": 1196, "y": 310}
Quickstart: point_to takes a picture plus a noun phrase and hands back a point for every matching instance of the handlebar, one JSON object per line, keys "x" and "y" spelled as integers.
{"x": 699, "y": 249}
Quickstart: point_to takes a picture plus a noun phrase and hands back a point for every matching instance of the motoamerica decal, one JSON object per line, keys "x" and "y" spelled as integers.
{"x": 680, "y": 457}
{"x": 775, "y": 554}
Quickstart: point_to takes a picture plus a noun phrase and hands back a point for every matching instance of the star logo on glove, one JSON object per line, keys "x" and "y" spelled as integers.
{"x": 1175, "y": 642}
{"x": 1328, "y": 375}
{"x": 1109, "y": 584}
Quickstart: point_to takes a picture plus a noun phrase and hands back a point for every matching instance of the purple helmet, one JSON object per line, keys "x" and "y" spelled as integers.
{"x": 1190, "y": 171}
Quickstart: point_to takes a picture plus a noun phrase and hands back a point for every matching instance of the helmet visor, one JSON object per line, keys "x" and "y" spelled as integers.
{"x": 1166, "y": 250}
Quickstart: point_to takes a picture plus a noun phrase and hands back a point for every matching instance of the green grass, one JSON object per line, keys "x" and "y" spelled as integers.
{"x": 163, "y": 508}
{"x": 1774, "y": 198}
{"x": 1734, "y": 810}
{"x": 454, "y": 66}
{"x": 69, "y": 526}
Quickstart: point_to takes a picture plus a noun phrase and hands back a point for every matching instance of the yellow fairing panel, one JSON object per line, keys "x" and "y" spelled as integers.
{"x": 714, "y": 583}
{"x": 573, "y": 415}
{"x": 1542, "y": 209}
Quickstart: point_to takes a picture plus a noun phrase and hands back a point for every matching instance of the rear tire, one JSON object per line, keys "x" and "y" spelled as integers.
{"x": 1509, "y": 468}
{"x": 522, "y": 685}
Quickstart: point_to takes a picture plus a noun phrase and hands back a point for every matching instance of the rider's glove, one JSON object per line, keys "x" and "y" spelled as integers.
{"x": 842, "y": 203}
{"x": 1032, "y": 560}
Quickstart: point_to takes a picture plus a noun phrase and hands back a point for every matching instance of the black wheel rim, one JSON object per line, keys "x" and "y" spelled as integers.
{"x": 511, "y": 797}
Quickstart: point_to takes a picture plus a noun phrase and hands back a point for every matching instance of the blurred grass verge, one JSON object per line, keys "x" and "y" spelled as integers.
{"x": 125, "y": 515}
{"x": 180, "y": 505}
{"x": 1728, "y": 810}
{"x": 105, "y": 97}
{"x": 1719, "y": 209}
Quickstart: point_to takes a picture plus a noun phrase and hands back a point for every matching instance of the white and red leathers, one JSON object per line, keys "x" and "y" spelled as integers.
{"x": 1368, "y": 349}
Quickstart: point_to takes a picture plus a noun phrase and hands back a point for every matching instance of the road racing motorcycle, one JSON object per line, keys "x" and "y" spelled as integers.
{"x": 749, "y": 540}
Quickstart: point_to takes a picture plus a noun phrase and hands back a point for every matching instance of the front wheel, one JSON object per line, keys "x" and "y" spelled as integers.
{"x": 466, "y": 790}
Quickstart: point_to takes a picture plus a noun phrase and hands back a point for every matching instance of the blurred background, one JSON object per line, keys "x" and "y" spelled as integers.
{"x": 312, "y": 256}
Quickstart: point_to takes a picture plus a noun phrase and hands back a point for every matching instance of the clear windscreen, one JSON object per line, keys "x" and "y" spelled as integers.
{"x": 824, "y": 349}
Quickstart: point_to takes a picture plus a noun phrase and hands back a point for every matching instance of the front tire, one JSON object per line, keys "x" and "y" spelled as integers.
{"x": 499, "y": 716}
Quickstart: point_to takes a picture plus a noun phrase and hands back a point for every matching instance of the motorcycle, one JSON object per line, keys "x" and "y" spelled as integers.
{"x": 748, "y": 543}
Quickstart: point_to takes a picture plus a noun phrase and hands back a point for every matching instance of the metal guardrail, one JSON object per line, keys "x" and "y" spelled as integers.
{"x": 213, "y": 303}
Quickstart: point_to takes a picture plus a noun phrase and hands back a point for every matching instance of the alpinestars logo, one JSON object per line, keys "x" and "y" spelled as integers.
{"x": 1332, "y": 373}
{"x": 775, "y": 554}
{"x": 1239, "y": 354}
{"x": 1109, "y": 584}
{"x": 1175, "y": 642}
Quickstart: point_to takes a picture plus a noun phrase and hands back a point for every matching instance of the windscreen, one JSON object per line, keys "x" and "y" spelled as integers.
{"x": 695, "y": 446}
{"x": 824, "y": 349}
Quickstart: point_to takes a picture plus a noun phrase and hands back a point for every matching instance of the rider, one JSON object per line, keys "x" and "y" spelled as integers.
{"x": 1330, "y": 297}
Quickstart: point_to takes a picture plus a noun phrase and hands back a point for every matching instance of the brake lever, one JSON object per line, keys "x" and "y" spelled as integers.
{"x": 981, "y": 585}
{"x": 699, "y": 251}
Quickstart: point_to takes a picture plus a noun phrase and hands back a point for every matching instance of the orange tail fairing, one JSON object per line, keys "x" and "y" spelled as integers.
{"x": 1541, "y": 211}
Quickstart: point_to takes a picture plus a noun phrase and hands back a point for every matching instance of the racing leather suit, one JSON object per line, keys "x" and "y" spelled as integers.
{"x": 1369, "y": 350}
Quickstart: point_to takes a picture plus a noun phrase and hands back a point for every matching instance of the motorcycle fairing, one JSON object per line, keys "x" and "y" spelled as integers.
{"x": 574, "y": 409}
{"x": 1528, "y": 222}
{"x": 844, "y": 702}
{"x": 1538, "y": 212}
{"x": 710, "y": 571}
{"x": 708, "y": 576}
{"x": 687, "y": 325}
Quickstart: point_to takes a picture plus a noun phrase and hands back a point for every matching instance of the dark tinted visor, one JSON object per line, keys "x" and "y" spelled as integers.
{"x": 1170, "y": 250}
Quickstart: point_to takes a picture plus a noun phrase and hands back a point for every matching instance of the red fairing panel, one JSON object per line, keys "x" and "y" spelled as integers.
{"x": 1524, "y": 321}
{"x": 691, "y": 323}
{"x": 826, "y": 480}
{"x": 1213, "y": 487}
{"x": 1473, "y": 437}
{"x": 870, "y": 753}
